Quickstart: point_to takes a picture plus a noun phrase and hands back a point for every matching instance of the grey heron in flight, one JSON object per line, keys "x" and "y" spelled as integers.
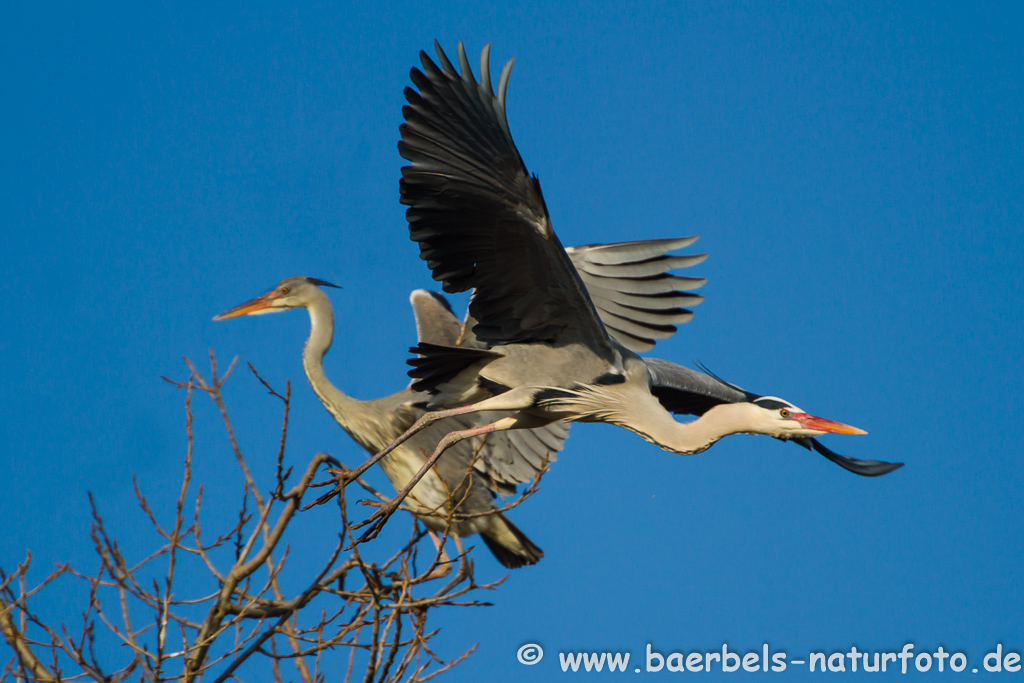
{"x": 476, "y": 469}
{"x": 482, "y": 224}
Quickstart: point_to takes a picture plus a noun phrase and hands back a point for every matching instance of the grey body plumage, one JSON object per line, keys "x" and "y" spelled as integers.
{"x": 481, "y": 223}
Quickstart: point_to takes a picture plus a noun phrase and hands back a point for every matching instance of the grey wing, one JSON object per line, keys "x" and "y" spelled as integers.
{"x": 685, "y": 391}
{"x": 435, "y": 321}
{"x": 512, "y": 457}
{"x": 504, "y": 458}
{"x": 479, "y": 217}
{"x": 636, "y": 296}
{"x": 631, "y": 285}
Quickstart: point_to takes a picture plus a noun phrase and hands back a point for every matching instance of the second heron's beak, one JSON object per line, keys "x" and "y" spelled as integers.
{"x": 820, "y": 424}
{"x": 260, "y": 304}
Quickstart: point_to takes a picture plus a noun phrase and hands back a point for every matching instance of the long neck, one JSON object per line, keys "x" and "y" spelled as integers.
{"x": 321, "y": 333}
{"x": 701, "y": 433}
{"x": 649, "y": 419}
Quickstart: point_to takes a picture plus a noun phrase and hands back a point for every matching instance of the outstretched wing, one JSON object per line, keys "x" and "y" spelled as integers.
{"x": 631, "y": 285}
{"x": 478, "y": 216}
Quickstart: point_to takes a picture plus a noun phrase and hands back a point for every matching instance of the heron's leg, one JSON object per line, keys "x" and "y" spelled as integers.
{"x": 377, "y": 520}
{"x": 444, "y": 564}
{"x": 423, "y": 422}
{"x": 516, "y": 399}
{"x": 458, "y": 546}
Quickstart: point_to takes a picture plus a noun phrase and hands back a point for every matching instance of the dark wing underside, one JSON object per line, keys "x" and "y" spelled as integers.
{"x": 688, "y": 392}
{"x": 433, "y": 365}
{"x": 479, "y": 217}
{"x": 631, "y": 285}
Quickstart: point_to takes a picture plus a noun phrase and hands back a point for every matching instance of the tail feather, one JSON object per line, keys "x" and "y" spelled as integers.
{"x": 509, "y": 545}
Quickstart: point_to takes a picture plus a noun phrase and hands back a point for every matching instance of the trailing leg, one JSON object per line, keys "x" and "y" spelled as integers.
{"x": 377, "y": 520}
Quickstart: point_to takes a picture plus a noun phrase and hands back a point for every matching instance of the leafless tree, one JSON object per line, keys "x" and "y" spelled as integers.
{"x": 214, "y": 606}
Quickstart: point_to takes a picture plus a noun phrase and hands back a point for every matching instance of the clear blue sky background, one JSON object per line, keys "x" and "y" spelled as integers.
{"x": 857, "y": 175}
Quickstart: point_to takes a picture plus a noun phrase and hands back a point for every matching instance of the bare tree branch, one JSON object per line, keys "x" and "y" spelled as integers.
{"x": 189, "y": 609}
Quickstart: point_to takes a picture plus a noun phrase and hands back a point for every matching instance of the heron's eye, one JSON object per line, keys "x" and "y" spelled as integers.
{"x": 784, "y": 413}
{"x": 285, "y": 290}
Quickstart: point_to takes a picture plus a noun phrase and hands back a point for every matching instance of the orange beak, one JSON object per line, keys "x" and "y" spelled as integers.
{"x": 820, "y": 424}
{"x": 260, "y": 303}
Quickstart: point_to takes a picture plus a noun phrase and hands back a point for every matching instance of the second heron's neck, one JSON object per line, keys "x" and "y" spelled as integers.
{"x": 321, "y": 333}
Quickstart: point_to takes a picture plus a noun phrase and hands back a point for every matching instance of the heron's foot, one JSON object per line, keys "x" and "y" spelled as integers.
{"x": 342, "y": 476}
{"x": 442, "y": 565}
{"x": 376, "y": 521}
{"x": 326, "y": 498}
{"x": 465, "y": 572}
{"x": 341, "y": 479}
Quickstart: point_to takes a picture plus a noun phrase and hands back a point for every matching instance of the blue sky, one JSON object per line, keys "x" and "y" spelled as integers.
{"x": 857, "y": 175}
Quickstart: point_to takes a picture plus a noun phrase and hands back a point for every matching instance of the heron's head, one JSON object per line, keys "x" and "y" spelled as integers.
{"x": 295, "y": 292}
{"x": 783, "y": 420}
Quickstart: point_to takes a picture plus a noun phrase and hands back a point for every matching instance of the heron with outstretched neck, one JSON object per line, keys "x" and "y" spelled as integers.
{"x": 481, "y": 223}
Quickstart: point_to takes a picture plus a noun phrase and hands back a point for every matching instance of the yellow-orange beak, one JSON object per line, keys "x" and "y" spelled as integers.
{"x": 820, "y": 424}
{"x": 260, "y": 303}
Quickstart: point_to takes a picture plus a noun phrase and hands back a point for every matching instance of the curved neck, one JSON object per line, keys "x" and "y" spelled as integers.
{"x": 321, "y": 333}
{"x": 648, "y": 418}
{"x": 699, "y": 435}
